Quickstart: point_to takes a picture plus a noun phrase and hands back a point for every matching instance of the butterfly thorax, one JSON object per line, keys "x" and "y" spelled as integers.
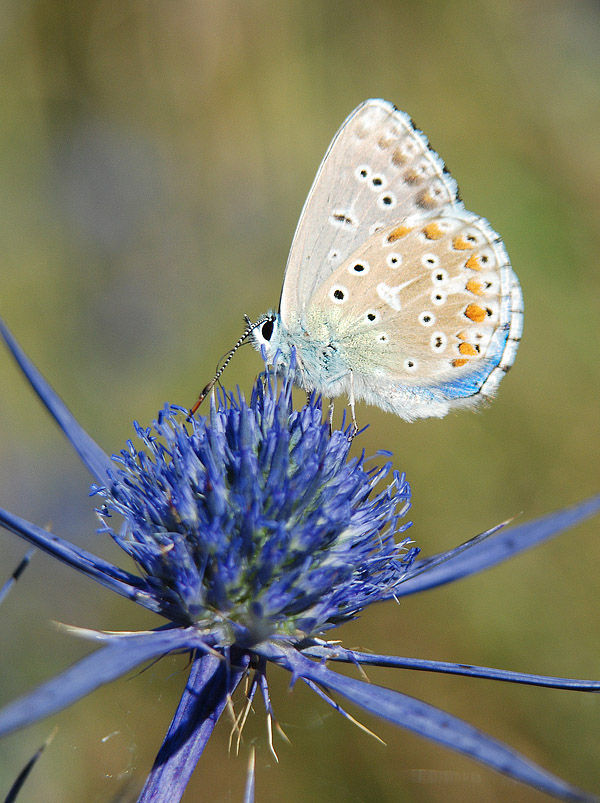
{"x": 324, "y": 350}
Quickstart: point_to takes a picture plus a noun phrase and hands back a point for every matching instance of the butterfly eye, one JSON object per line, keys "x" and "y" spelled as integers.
{"x": 266, "y": 329}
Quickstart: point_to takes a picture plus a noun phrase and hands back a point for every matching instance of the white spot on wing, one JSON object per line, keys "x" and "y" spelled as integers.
{"x": 387, "y": 200}
{"x": 359, "y": 268}
{"x": 378, "y": 182}
{"x": 438, "y": 341}
{"x": 389, "y": 295}
{"x": 338, "y": 294}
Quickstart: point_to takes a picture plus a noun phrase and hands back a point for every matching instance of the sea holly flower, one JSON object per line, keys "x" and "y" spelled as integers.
{"x": 253, "y": 523}
{"x": 255, "y": 534}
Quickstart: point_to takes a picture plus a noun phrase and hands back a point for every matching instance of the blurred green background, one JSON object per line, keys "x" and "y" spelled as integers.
{"x": 154, "y": 158}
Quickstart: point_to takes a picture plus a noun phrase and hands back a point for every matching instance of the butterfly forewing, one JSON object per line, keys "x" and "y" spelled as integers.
{"x": 378, "y": 170}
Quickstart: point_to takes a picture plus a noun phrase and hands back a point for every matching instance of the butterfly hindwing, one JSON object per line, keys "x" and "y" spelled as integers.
{"x": 421, "y": 300}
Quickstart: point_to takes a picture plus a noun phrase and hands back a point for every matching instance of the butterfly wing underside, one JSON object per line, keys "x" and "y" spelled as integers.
{"x": 378, "y": 169}
{"x": 393, "y": 291}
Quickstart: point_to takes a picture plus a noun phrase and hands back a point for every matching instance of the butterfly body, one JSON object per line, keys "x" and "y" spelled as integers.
{"x": 394, "y": 293}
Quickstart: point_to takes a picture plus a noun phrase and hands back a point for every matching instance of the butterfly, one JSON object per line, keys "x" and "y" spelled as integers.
{"x": 393, "y": 292}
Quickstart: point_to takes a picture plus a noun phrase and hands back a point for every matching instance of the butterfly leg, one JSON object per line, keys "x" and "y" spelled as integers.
{"x": 354, "y": 429}
{"x": 330, "y": 417}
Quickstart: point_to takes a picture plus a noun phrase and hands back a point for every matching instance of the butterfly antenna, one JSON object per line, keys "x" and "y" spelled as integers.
{"x": 250, "y": 327}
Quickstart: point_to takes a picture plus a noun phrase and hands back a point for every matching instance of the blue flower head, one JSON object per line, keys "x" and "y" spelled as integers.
{"x": 254, "y": 533}
{"x": 254, "y": 521}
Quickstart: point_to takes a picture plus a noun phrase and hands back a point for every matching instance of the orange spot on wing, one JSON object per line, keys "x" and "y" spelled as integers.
{"x": 426, "y": 200}
{"x": 475, "y": 287}
{"x": 460, "y": 244}
{"x": 467, "y": 350}
{"x": 462, "y": 336}
{"x": 472, "y": 262}
{"x": 398, "y": 233}
{"x": 432, "y": 231}
{"x": 459, "y": 363}
{"x": 475, "y": 313}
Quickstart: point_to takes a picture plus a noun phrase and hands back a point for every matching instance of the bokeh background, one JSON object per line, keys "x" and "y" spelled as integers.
{"x": 154, "y": 158}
